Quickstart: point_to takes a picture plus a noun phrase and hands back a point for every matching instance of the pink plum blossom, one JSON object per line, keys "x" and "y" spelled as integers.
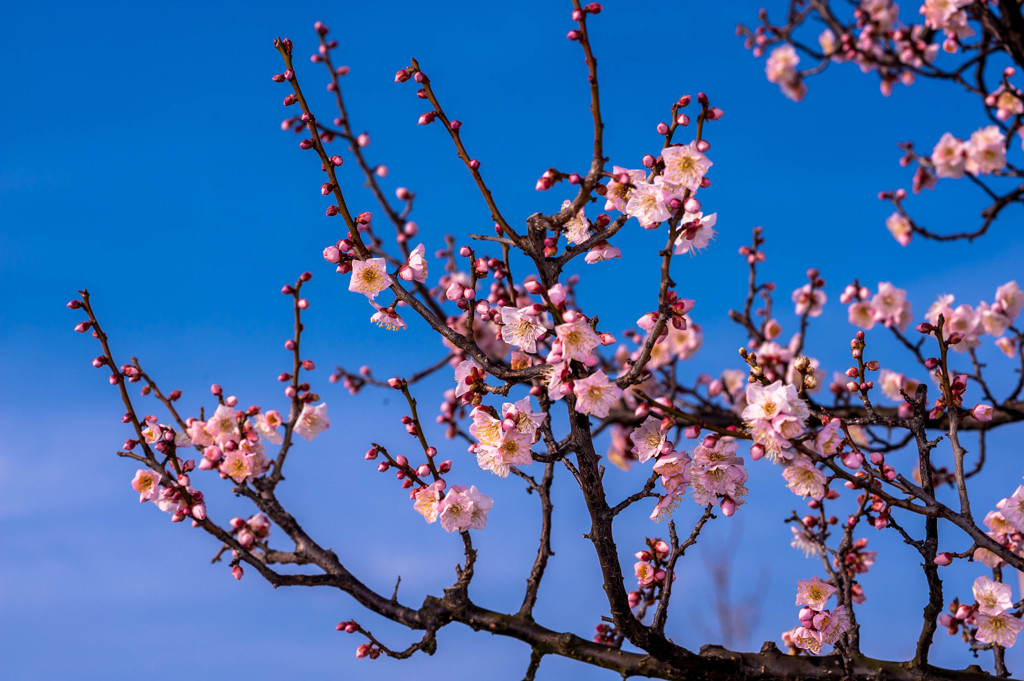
{"x": 992, "y": 597}
{"x": 1001, "y": 629}
{"x": 147, "y": 483}
{"x": 685, "y": 166}
{"x": 369, "y": 277}
{"x": 595, "y": 394}
{"x": 648, "y": 439}
{"x": 312, "y": 421}
{"x": 521, "y": 328}
{"x": 578, "y": 339}
{"x": 813, "y": 593}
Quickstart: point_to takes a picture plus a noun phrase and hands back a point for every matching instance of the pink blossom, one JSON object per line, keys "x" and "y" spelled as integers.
{"x": 992, "y": 597}
{"x": 647, "y": 203}
{"x": 781, "y": 69}
{"x": 808, "y": 639}
{"x": 648, "y": 439}
{"x": 147, "y": 483}
{"x": 1008, "y": 103}
{"x": 985, "y": 151}
{"x": 809, "y": 300}
{"x": 595, "y": 394}
{"x": 600, "y": 252}
{"x": 804, "y": 478}
{"x": 862, "y": 315}
{"x": 464, "y": 374}
{"x": 369, "y": 277}
{"x": 948, "y": 157}
{"x": 1001, "y": 629}
{"x": 813, "y": 593}
{"x": 717, "y": 472}
{"x": 774, "y": 414}
{"x": 312, "y": 421}
{"x": 1012, "y": 509}
{"x": 262, "y": 425}
{"x": 577, "y": 227}
{"x": 1010, "y": 300}
{"x": 832, "y": 624}
{"x": 900, "y": 228}
{"x": 685, "y": 166}
{"x": 645, "y": 573}
{"x": 696, "y": 232}
{"x": 521, "y": 327}
{"x": 387, "y": 318}
{"x": 237, "y": 466}
{"x": 222, "y": 426}
{"x": 982, "y": 412}
{"x": 463, "y": 509}
{"x": 578, "y": 339}
{"x": 427, "y": 501}
{"x": 618, "y": 194}
{"x": 415, "y": 268}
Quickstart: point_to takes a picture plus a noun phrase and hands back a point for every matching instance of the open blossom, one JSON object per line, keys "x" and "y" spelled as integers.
{"x": 578, "y": 339}
{"x": 774, "y": 415}
{"x": 312, "y": 421}
{"x": 521, "y": 328}
{"x": 266, "y": 425}
{"x": 237, "y": 466}
{"x": 369, "y": 277}
{"x": 780, "y": 69}
{"x": 939, "y": 13}
{"x": 577, "y": 228}
{"x": 595, "y": 394}
{"x": 648, "y": 439}
{"x": 891, "y": 307}
{"x": 674, "y": 469}
{"x": 1010, "y": 300}
{"x": 802, "y": 542}
{"x": 804, "y": 478}
{"x": 427, "y": 500}
{"x": 415, "y": 269}
{"x": 387, "y": 318}
{"x": 1012, "y": 509}
{"x": 696, "y": 232}
{"x": 685, "y": 166}
{"x": 813, "y": 593}
{"x": 600, "y": 252}
{"x": 511, "y": 449}
{"x": 948, "y": 157}
{"x": 717, "y": 472}
{"x": 645, "y": 573}
{"x": 808, "y": 639}
{"x": 648, "y": 204}
{"x": 222, "y": 426}
{"x": 809, "y": 300}
{"x": 992, "y": 597}
{"x": 147, "y": 484}
{"x": 464, "y": 509}
{"x": 832, "y": 624}
{"x": 985, "y": 151}
{"x": 900, "y": 228}
{"x": 618, "y": 193}
{"x": 1001, "y": 629}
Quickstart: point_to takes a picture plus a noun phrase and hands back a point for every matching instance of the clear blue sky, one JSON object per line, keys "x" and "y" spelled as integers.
{"x": 142, "y": 158}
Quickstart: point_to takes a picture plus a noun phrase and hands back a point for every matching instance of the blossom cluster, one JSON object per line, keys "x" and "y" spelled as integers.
{"x": 889, "y": 306}
{"x": 987, "y": 619}
{"x": 505, "y": 440}
{"x": 818, "y": 626}
{"x": 963, "y": 325}
{"x": 714, "y": 472}
{"x": 460, "y": 508}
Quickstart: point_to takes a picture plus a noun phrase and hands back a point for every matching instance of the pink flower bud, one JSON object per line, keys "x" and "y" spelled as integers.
{"x": 982, "y": 412}
{"x": 237, "y": 572}
{"x": 944, "y": 558}
{"x": 662, "y": 128}
{"x": 691, "y": 205}
{"x": 728, "y": 507}
{"x": 474, "y": 164}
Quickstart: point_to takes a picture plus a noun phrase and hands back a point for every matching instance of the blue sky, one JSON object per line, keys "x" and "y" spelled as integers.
{"x": 143, "y": 159}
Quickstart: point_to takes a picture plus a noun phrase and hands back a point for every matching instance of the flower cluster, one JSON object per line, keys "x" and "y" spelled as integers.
{"x": 505, "y": 441}
{"x": 987, "y": 620}
{"x": 461, "y": 508}
{"x": 714, "y": 472}
{"x": 818, "y": 626}
{"x": 889, "y": 306}
{"x": 963, "y": 325}
{"x": 774, "y": 415}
